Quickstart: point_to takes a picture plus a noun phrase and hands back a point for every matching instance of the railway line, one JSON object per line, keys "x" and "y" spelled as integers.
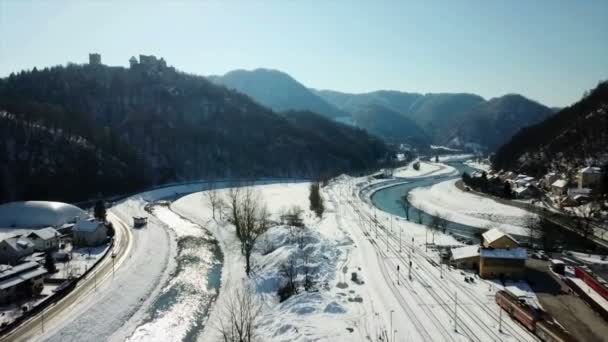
{"x": 477, "y": 323}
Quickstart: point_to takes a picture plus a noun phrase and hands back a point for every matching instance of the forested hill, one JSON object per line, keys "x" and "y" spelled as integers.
{"x": 277, "y": 90}
{"x": 70, "y": 133}
{"x": 577, "y": 135}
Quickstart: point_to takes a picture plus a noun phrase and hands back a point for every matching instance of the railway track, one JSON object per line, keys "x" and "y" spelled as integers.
{"x": 425, "y": 263}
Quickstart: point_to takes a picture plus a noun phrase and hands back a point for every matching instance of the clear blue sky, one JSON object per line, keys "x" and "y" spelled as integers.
{"x": 550, "y": 51}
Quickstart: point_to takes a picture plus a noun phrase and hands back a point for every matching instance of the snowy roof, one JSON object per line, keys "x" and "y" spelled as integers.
{"x": 591, "y": 169}
{"x": 18, "y": 243}
{"x": 8, "y": 271}
{"x": 521, "y": 189}
{"x": 45, "y": 233}
{"x": 495, "y": 234}
{"x": 504, "y": 253}
{"x": 560, "y": 183}
{"x": 87, "y": 225}
{"x": 465, "y": 252}
{"x": 20, "y": 274}
{"x": 32, "y": 214}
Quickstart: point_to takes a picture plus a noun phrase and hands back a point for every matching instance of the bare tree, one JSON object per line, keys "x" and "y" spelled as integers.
{"x": 584, "y": 216}
{"x": 289, "y": 270}
{"x": 405, "y": 205}
{"x": 213, "y": 198}
{"x": 532, "y": 225}
{"x": 252, "y": 218}
{"x": 233, "y": 204}
{"x": 419, "y": 214}
{"x": 240, "y": 316}
{"x": 438, "y": 223}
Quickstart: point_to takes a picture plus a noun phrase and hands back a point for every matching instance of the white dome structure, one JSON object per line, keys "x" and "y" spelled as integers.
{"x": 36, "y": 214}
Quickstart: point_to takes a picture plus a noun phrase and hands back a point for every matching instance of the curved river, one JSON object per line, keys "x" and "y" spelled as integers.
{"x": 387, "y": 199}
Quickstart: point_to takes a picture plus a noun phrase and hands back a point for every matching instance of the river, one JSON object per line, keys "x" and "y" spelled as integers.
{"x": 386, "y": 199}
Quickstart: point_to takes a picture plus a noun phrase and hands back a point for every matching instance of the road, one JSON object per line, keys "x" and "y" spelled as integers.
{"x": 85, "y": 288}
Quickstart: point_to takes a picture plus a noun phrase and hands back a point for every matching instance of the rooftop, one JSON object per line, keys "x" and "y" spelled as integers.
{"x": 495, "y": 234}
{"x": 87, "y": 225}
{"x": 591, "y": 169}
{"x": 34, "y": 214}
{"x": 44, "y": 233}
{"x": 465, "y": 252}
{"x": 560, "y": 183}
{"x": 504, "y": 253}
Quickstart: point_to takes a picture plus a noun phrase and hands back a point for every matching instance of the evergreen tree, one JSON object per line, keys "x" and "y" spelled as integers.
{"x": 49, "y": 263}
{"x": 100, "y": 210}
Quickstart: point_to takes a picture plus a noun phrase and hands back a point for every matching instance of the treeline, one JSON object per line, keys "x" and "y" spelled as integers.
{"x": 573, "y": 137}
{"x": 73, "y": 132}
{"x": 493, "y": 186}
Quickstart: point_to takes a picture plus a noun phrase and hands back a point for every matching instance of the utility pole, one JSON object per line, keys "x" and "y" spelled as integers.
{"x": 441, "y": 268}
{"x": 392, "y": 320}
{"x": 386, "y": 239}
{"x": 400, "y": 230}
{"x": 42, "y": 319}
{"x": 499, "y": 319}
{"x": 426, "y": 244}
{"x": 410, "y": 272}
{"x": 455, "y": 311}
{"x": 398, "y": 275}
{"x": 394, "y": 333}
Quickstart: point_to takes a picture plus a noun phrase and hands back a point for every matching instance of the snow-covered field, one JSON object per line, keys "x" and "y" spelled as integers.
{"x": 454, "y": 157}
{"x": 427, "y": 169}
{"x": 382, "y": 301}
{"x": 467, "y": 208}
{"x": 479, "y": 166}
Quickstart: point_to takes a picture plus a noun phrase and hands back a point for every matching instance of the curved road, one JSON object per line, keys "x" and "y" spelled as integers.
{"x": 101, "y": 273}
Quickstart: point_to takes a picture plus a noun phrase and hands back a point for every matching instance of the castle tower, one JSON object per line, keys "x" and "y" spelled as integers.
{"x": 94, "y": 59}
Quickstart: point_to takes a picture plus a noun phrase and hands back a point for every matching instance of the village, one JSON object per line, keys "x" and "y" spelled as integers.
{"x": 46, "y": 248}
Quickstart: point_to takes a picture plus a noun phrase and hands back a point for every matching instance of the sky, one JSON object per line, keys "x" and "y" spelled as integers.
{"x": 550, "y": 51}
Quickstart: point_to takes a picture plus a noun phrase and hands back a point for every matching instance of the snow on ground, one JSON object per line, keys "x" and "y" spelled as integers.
{"x": 479, "y": 166}
{"x": 120, "y": 304}
{"x": 439, "y": 147}
{"x": 467, "y": 208}
{"x": 591, "y": 258}
{"x": 595, "y": 296}
{"x": 454, "y": 157}
{"x": 427, "y": 169}
{"x": 381, "y": 302}
{"x": 307, "y": 316}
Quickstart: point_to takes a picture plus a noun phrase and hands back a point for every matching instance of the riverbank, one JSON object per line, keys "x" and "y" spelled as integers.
{"x": 469, "y": 209}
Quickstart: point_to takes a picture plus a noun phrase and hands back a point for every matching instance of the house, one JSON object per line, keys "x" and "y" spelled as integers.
{"x": 44, "y": 239}
{"x": 502, "y": 262}
{"x": 21, "y": 281}
{"x": 89, "y": 233}
{"x": 15, "y": 248}
{"x": 589, "y": 176}
{"x": 495, "y": 238}
{"x": 558, "y": 188}
{"x": 523, "y": 192}
{"x": 549, "y": 179}
{"x": 465, "y": 257}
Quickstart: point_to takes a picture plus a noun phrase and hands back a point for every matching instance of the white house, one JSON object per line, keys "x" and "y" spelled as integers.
{"x": 44, "y": 239}
{"x": 559, "y": 187}
{"x": 589, "y": 176}
{"x": 15, "y": 248}
{"x": 90, "y": 233}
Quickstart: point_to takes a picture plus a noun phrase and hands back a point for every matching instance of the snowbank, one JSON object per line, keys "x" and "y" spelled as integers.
{"x": 454, "y": 157}
{"x": 479, "y": 166}
{"x": 467, "y": 208}
{"x": 426, "y": 170}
